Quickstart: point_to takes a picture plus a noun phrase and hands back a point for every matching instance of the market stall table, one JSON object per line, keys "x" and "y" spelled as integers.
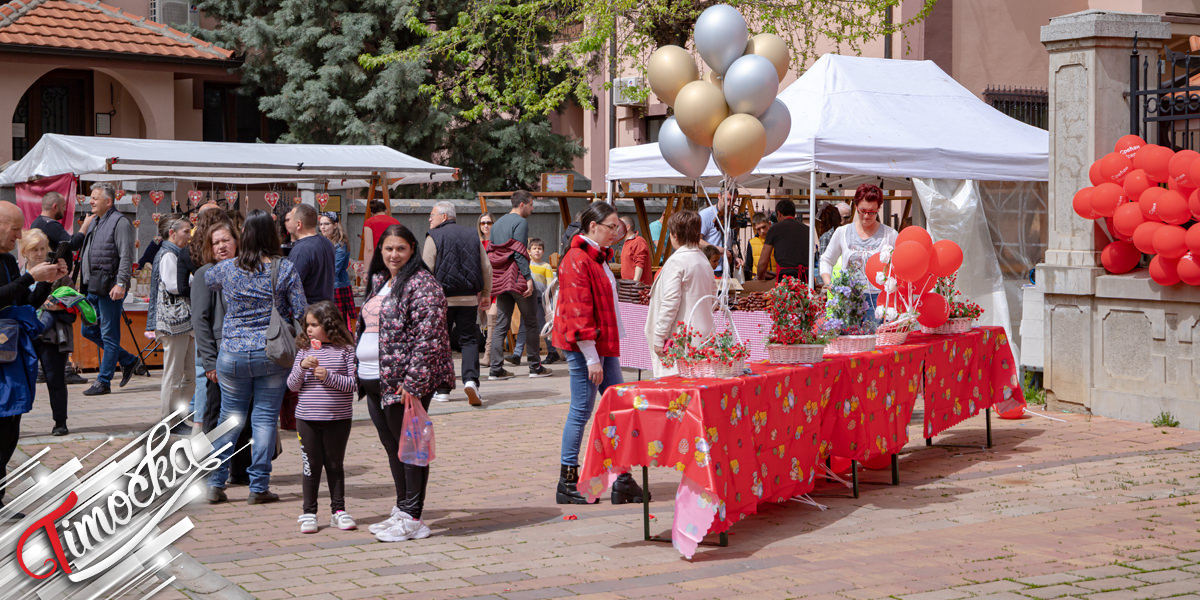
{"x": 744, "y": 441}
{"x": 635, "y": 353}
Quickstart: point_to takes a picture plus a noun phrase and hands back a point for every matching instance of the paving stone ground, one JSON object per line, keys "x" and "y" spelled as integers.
{"x": 1087, "y": 508}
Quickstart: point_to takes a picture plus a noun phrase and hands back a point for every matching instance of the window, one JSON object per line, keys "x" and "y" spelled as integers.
{"x": 231, "y": 117}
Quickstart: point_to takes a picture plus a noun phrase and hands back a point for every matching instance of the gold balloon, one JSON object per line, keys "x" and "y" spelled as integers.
{"x": 772, "y": 48}
{"x": 739, "y": 144}
{"x": 699, "y": 110}
{"x": 670, "y": 68}
{"x": 714, "y": 79}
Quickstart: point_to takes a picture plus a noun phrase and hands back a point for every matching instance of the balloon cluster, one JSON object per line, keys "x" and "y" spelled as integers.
{"x": 731, "y": 114}
{"x": 907, "y": 273}
{"x": 1141, "y": 215}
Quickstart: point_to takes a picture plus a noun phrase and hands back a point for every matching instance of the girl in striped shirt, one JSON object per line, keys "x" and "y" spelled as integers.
{"x": 323, "y": 373}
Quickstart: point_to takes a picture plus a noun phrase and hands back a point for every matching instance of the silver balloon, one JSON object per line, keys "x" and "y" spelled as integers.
{"x": 721, "y": 36}
{"x": 778, "y": 122}
{"x": 750, "y": 85}
{"x": 681, "y": 153}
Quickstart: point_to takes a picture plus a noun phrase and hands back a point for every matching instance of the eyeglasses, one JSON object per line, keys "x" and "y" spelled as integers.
{"x": 485, "y": 223}
{"x": 613, "y": 226}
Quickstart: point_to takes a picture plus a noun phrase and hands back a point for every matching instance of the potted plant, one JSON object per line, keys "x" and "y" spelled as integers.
{"x": 848, "y": 316}
{"x": 795, "y": 315}
{"x": 963, "y": 311}
{"x": 719, "y": 355}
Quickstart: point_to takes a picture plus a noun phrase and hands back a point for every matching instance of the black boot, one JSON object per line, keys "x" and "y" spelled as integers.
{"x": 568, "y": 478}
{"x": 626, "y": 490}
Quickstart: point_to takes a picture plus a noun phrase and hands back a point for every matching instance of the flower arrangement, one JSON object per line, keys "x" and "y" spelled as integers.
{"x": 960, "y": 306}
{"x": 848, "y": 308}
{"x": 685, "y": 347}
{"x": 795, "y": 314}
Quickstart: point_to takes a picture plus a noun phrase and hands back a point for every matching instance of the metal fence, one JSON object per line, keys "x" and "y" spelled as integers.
{"x": 1164, "y": 98}
{"x": 1027, "y": 105}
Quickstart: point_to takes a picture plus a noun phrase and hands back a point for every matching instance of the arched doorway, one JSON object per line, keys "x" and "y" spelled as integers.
{"x": 61, "y": 101}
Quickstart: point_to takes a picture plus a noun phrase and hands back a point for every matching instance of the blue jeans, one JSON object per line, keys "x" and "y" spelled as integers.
{"x": 106, "y": 334}
{"x": 201, "y": 394}
{"x": 251, "y": 384}
{"x": 583, "y": 398}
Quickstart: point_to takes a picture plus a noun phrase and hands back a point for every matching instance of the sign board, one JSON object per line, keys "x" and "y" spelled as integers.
{"x": 555, "y": 182}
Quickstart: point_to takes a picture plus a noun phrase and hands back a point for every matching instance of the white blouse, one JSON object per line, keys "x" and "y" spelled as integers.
{"x": 854, "y": 250}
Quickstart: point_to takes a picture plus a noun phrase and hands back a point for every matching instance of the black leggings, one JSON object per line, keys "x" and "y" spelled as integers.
{"x": 410, "y": 480}
{"x": 10, "y": 431}
{"x": 323, "y": 445}
{"x": 54, "y": 365}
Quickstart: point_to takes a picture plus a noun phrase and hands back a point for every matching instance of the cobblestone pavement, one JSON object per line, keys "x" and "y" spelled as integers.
{"x": 1087, "y": 508}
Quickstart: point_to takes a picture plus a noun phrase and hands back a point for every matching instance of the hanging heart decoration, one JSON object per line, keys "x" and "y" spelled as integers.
{"x": 194, "y": 218}
{"x": 156, "y": 217}
{"x": 135, "y": 199}
{"x": 137, "y": 223}
{"x": 323, "y": 199}
{"x": 174, "y": 204}
{"x": 297, "y": 199}
{"x": 272, "y": 198}
{"x": 137, "y": 243}
{"x": 195, "y": 196}
{"x": 120, "y": 194}
{"x": 158, "y": 239}
{"x": 156, "y": 196}
{"x": 82, "y": 199}
{"x": 231, "y": 196}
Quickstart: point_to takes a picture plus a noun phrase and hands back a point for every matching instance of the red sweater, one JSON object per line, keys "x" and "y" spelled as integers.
{"x": 586, "y": 307}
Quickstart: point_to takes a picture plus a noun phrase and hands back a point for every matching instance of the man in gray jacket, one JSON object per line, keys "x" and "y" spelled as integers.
{"x": 514, "y": 226}
{"x": 107, "y": 267}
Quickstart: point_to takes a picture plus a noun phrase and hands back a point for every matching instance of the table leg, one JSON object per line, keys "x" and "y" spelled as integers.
{"x": 646, "y": 502}
{"x": 854, "y": 476}
{"x": 987, "y": 417}
{"x": 895, "y": 469}
{"x": 723, "y": 540}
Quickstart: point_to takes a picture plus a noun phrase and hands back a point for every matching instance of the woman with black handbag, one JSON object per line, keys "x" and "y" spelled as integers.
{"x": 169, "y": 317}
{"x": 255, "y": 284}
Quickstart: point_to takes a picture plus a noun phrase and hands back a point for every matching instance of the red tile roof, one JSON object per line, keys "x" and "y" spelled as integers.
{"x": 94, "y": 26}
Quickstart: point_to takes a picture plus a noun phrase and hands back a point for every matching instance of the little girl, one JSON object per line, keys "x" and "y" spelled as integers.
{"x": 324, "y": 375}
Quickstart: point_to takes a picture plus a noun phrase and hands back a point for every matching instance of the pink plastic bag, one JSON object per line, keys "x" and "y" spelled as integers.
{"x": 416, "y": 437}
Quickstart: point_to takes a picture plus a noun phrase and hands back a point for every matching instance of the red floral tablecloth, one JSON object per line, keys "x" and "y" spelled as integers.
{"x": 743, "y": 441}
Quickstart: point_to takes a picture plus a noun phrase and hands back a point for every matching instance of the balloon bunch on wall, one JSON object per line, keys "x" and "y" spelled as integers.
{"x": 1141, "y": 215}
{"x": 731, "y": 114}
{"x": 907, "y": 273}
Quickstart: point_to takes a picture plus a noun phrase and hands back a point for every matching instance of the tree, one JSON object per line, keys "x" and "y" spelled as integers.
{"x": 299, "y": 59}
{"x": 588, "y": 29}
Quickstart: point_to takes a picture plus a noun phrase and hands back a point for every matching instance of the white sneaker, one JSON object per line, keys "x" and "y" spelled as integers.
{"x": 308, "y": 523}
{"x": 441, "y": 396}
{"x": 398, "y": 532}
{"x": 342, "y": 520}
{"x": 397, "y": 515}
{"x": 418, "y": 530}
{"x": 472, "y": 390}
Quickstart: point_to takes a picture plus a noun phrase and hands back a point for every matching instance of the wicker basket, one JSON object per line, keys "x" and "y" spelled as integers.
{"x": 850, "y": 344}
{"x": 951, "y": 327}
{"x": 708, "y": 368}
{"x": 894, "y": 333}
{"x": 790, "y": 354}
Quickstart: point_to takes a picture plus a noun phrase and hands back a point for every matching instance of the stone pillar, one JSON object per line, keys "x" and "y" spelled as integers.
{"x": 1089, "y": 72}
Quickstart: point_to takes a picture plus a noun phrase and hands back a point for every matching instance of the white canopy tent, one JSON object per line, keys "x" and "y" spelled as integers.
{"x": 906, "y": 123}
{"x": 126, "y": 159}
{"x": 876, "y": 117}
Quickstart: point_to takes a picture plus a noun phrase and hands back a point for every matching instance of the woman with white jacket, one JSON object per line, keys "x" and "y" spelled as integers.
{"x": 684, "y": 280}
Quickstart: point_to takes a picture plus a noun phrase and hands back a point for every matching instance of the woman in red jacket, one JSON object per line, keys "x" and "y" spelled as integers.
{"x": 588, "y": 327}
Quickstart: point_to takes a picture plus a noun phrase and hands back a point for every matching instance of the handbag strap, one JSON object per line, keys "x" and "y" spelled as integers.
{"x": 274, "y": 280}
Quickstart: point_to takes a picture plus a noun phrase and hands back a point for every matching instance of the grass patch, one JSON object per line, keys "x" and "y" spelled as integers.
{"x": 1035, "y": 395}
{"x": 1165, "y": 419}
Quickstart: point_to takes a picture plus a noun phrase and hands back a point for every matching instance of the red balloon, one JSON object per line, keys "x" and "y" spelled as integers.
{"x": 1128, "y": 145}
{"x": 1106, "y": 198}
{"x": 1192, "y": 239}
{"x": 1183, "y": 190}
{"x": 1149, "y": 203}
{"x": 1194, "y": 173}
{"x": 1094, "y": 175}
{"x": 874, "y": 267}
{"x": 1153, "y": 159}
{"x": 1172, "y": 207}
{"x": 1180, "y": 166}
{"x": 1127, "y": 218}
{"x": 1136, "y": 182}
{"x": 1194, "y": 202}
{"x": 910, "y": 260}
{"x": 913, "y": 233}
{"x": 1110, "y": 222}
{"x": 1188, "y": 269}
{"x": 1164, "y": 271}
{"x": 1169, "y": 241}
{"x": 1143, "y": 236}
{"x": 946, "y": 258}
{"x": 1114, "y": 167}
{"x": 1013, "y": 413}
{"x": 1082, "y": 203}
{"x": 1120, "y": 257}
{"x": 933, "y": 310}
